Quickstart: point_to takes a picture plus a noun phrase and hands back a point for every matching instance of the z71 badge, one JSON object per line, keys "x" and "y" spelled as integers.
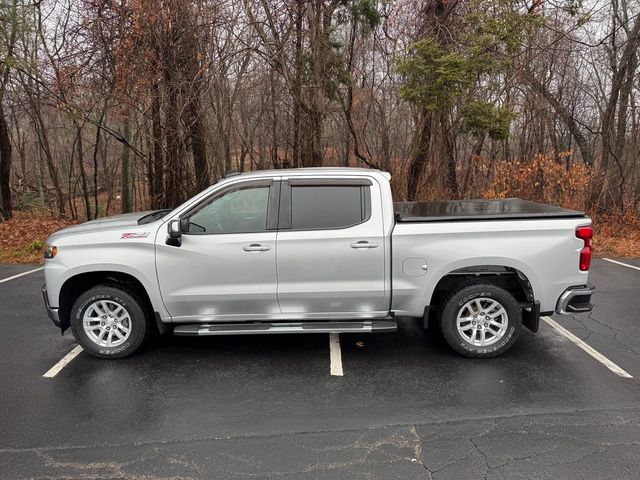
{"x": 134, "y": 235}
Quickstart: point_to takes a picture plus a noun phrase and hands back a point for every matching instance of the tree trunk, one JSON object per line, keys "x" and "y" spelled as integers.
{"x": 315, "y": 110}
{"x": 5, "y": 166}
{"x": 45, "y": 147}
{"x": 198, "y": 144}
{"x": 126, "y": 198}
{"x": 175, "y": 192}
{"x": 10, "y": 26}
{"x": 297, "y": 86}
{"x": 385, "y": 145}
{"x": 96, "y": 148}
{"x": 420, "y": 154}
{"x": 156, "y": 181}
{"x": 83, "y": 173}
{"x": 617, "y": 191}
{"x": 39, "y": 172}
{"x": 564, "y": 114}
{"x": 449, "y": 157}
{"x": 474, "y": 156}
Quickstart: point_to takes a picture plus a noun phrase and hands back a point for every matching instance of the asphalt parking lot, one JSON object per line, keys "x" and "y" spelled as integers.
{"x": 268, "y": 406}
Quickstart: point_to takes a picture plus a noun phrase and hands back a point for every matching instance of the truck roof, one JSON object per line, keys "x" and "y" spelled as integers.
{"x": 310, "y": 171}
{"x": 479, "y": 209}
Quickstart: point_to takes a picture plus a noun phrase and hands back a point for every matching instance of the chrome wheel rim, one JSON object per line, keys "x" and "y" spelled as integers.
{"x": 107, "y": 323}
{"x": 482, "y": 322}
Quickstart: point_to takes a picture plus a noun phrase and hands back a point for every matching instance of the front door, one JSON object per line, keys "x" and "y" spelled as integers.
{"x": 331, "y": 249}
{"x": 225, "y": 267}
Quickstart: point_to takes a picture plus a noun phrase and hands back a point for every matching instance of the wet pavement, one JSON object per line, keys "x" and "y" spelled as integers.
{"x": 267, "y": 407}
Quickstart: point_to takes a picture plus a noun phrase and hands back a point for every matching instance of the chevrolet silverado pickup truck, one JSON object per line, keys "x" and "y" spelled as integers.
{"x": 318, "y": 250}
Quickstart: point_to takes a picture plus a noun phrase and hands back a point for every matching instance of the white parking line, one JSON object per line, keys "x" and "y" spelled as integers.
{"x": 21, "y": 275}
{"x": 335, "y": 354}
{"x": 53, "y": 371}
{"x": 621, "y": 263}
{"x": 588, "y": 348}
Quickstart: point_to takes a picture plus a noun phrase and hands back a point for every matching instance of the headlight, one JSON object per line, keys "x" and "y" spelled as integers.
{"x": 50, "y": 251}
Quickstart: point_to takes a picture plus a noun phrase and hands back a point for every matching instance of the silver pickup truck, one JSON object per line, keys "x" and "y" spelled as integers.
{"x": 318, "y": 250}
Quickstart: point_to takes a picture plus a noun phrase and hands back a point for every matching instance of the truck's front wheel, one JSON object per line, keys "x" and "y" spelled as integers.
{"x": 108, "y": 321}
{"x": 481, "y": 320}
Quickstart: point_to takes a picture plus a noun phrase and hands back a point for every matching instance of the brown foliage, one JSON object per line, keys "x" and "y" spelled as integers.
{"x": 22, "y": 238}
{"x": 543, "y": 179}
{"x": 617, "y": 235}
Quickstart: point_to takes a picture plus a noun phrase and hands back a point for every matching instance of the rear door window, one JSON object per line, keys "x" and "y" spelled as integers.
{"x": 316, "y": 207}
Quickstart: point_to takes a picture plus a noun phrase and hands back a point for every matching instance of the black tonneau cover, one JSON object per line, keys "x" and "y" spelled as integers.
{"x": 472, "y": 210}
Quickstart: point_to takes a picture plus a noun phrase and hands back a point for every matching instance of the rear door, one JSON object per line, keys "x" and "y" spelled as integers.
{"x": 225, "y": 267}
{"x": 331, "y": 250}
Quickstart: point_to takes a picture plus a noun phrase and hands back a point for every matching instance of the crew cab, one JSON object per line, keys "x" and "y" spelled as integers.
{"x": 318, "y": 250}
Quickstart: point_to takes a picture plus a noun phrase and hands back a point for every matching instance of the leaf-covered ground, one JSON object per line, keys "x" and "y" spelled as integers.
{"x": 617, "y": 235}
{"x": 22, "y": 238}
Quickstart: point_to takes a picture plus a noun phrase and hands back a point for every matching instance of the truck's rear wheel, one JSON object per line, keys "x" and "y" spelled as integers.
{"x": 481, "y": 321}
{"x": 108, "y": 321}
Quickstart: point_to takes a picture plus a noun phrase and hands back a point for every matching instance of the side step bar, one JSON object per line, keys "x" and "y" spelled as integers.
{"x": 202, "y": 329}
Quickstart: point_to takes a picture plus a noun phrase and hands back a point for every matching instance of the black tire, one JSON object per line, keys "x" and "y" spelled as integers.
{"x": 138, "y": 321}
{"x": 457, "y": 300}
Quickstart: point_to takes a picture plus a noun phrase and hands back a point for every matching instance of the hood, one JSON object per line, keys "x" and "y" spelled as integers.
{"x": 115, "y": 222}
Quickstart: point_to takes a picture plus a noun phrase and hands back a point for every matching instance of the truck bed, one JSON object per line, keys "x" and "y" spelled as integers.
{"x": 481, "y": 209}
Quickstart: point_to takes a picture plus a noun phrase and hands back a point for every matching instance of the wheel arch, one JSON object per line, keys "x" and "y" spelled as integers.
{"x": 79, "y": 283}
{"x": 508, "y": 277}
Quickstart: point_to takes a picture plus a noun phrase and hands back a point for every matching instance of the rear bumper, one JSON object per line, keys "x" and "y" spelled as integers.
{"x": 52, "y": 313}
{"x": 576, "y": 300}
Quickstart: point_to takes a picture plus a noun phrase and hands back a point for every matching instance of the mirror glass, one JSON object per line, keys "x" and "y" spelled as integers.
{"x": 174, "y": 228}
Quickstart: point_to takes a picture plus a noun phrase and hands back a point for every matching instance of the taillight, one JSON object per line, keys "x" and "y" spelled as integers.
{"x": 585, "y": 234}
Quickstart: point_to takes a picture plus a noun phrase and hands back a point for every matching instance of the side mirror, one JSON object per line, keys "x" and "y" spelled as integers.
{"x": 174, "y": 237}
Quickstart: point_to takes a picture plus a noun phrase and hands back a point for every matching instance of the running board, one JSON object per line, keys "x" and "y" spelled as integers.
{"x": 202, "y": 329}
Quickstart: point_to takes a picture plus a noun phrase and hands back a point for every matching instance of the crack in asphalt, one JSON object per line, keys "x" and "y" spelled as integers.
{"x": 98, "y": 470}
{"x": 381, "y": 450}
{"x": 493, "y": 463}
{"x": 417, "y": 451}
{"x": 459, "y": 420}
{"x": 580, "y": 319}
{"x": 484, "y": 456}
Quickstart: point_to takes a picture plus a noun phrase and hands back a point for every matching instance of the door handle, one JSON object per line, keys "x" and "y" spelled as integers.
{"x": 256, "y": 247}
{"x": 364, "y": 244}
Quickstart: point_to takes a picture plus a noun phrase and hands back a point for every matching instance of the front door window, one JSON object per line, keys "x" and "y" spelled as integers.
{"x": 237, "y": 211}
